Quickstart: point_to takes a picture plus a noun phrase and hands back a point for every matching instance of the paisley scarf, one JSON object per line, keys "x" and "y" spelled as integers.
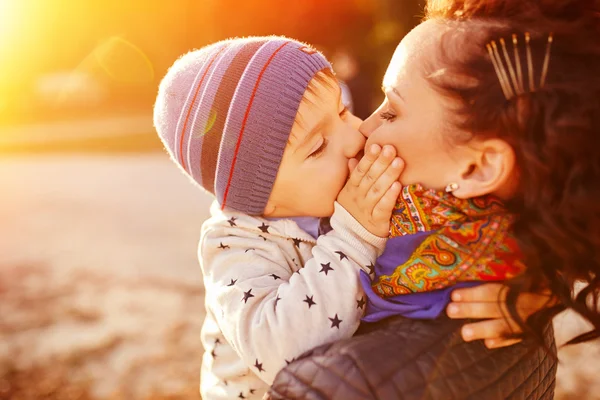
{"x": 457, "y": 240}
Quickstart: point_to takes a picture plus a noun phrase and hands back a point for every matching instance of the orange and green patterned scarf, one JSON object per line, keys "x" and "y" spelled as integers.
{"x": 469, "y": 240}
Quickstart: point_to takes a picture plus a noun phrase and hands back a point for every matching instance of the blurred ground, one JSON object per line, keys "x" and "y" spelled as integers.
{"x": 100, "y": 291}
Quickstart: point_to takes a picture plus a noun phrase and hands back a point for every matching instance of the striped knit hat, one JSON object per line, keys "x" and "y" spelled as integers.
{"x": 225, "y": 113}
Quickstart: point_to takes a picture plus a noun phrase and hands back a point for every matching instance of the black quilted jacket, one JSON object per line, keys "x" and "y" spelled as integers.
{"x": 400, "y": 358}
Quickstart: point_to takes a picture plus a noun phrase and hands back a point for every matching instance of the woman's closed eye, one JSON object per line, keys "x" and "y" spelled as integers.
{"x": 319, "y": 149}
{"x": 387, "y": 115}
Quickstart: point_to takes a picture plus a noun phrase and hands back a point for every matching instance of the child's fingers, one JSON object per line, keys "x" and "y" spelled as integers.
{"x": 364, "y": 165}
{"x": 385, "y": 181}
{"x": 377, "y": 169}
{"x": 352, "y": 163}
{"x": 383, "y": 209}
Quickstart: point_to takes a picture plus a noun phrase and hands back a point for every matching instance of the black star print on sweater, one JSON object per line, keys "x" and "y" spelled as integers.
{"x": 275, "y": 276}
{"x": 223, "y": 246}
{"x": 326, "y": 268}
{"x": 213, "y": 354}
{"x": 276, "y": 300}
{"x": 297, "y": 242}
{"x": 263, "y": 238}
{"x": 259, "y": 366}
{"x": 361, "y": 303}
{"x": 342, "y": 255}
{"x": 250, "y": 249}
{"x": 233, "y": 281}
{"x": 371, "y": 268}
{"x": 264, "y": 228}
{"x": 247, "y": 295}
{"x": 335, "y": 322}
{"x": 232, "y": 221}
{"x": 241, "y": 396}
{"x": 309, "y": 301}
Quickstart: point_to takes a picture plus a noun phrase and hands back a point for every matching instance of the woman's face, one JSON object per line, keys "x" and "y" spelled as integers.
{"x": 414, "y": 117}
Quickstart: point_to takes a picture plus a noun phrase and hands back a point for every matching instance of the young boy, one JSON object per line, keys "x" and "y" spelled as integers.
{"x": 259, "y": 123}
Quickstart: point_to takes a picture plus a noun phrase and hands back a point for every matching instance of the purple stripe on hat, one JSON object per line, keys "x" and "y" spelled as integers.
{"x": 222, "y": 102}
{"x": 268, "y": 123}
{"x": 238, "y": 113}
{"x": 189, "y": 106}
{"x": 203, "y": 114}
{"x": 173, "y": 93}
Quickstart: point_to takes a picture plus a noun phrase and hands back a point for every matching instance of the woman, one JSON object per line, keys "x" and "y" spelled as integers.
{"x": 486, "y": 97}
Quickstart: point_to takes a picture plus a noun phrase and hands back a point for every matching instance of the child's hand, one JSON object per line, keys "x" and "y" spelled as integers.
{"x": 373, "y": 188}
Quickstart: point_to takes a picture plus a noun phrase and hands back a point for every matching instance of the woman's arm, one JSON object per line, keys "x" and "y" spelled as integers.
{"x": 488, "y": 302}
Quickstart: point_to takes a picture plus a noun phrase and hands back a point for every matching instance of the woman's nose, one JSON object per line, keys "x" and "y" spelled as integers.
{"x": 368, "y": 126}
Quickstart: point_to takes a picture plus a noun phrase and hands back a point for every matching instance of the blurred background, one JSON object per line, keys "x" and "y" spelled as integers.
{"x": 100, "y": 289}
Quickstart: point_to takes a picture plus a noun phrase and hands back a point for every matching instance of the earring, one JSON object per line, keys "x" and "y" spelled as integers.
{"x": 451, "y": 187}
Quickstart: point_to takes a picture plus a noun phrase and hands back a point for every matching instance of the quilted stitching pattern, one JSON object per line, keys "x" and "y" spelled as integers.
{"x": 407, "y": 359}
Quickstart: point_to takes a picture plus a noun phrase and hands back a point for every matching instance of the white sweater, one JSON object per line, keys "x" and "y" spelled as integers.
{"x": 273, "y": 292}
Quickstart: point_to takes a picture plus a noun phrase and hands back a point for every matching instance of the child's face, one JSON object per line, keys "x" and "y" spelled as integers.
{"x": 314, "y": 167}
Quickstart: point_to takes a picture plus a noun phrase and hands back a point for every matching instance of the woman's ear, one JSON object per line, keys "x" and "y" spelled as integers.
{"x": 490, "y": 170}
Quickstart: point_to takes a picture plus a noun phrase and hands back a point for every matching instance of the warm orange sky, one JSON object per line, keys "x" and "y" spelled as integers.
{"x": 12, "y": 37}
{"x": 46, "y": 35}
{"x": 31, "y": 36}
{"x": 108, "y": 40}
{"x": 118, "y": 50}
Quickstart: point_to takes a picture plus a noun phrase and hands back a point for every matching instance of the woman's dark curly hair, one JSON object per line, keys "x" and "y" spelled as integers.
{"x": 554, "y": 131}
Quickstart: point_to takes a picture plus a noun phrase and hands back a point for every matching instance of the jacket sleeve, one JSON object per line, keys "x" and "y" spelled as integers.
{"x": 271, "y": 314}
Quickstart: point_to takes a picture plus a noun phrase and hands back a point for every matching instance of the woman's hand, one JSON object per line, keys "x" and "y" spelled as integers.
{"x": 488, "y": 301}
{"x": 373, "y": 188}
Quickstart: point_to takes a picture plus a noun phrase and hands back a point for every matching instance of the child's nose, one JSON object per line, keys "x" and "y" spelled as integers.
{"x": 355, "y": 121}
{"x": 355, "y": 143}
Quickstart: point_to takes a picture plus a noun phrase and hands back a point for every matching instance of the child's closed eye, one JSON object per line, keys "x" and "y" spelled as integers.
{"x": 320, "y": 149}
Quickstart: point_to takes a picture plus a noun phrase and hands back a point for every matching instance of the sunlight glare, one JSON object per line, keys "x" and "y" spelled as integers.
{"x": 8, "y": 22}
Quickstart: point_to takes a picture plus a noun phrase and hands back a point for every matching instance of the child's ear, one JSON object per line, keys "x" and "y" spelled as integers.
{"x": 269, "y": 209}
{"x": 490, "y": 171}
